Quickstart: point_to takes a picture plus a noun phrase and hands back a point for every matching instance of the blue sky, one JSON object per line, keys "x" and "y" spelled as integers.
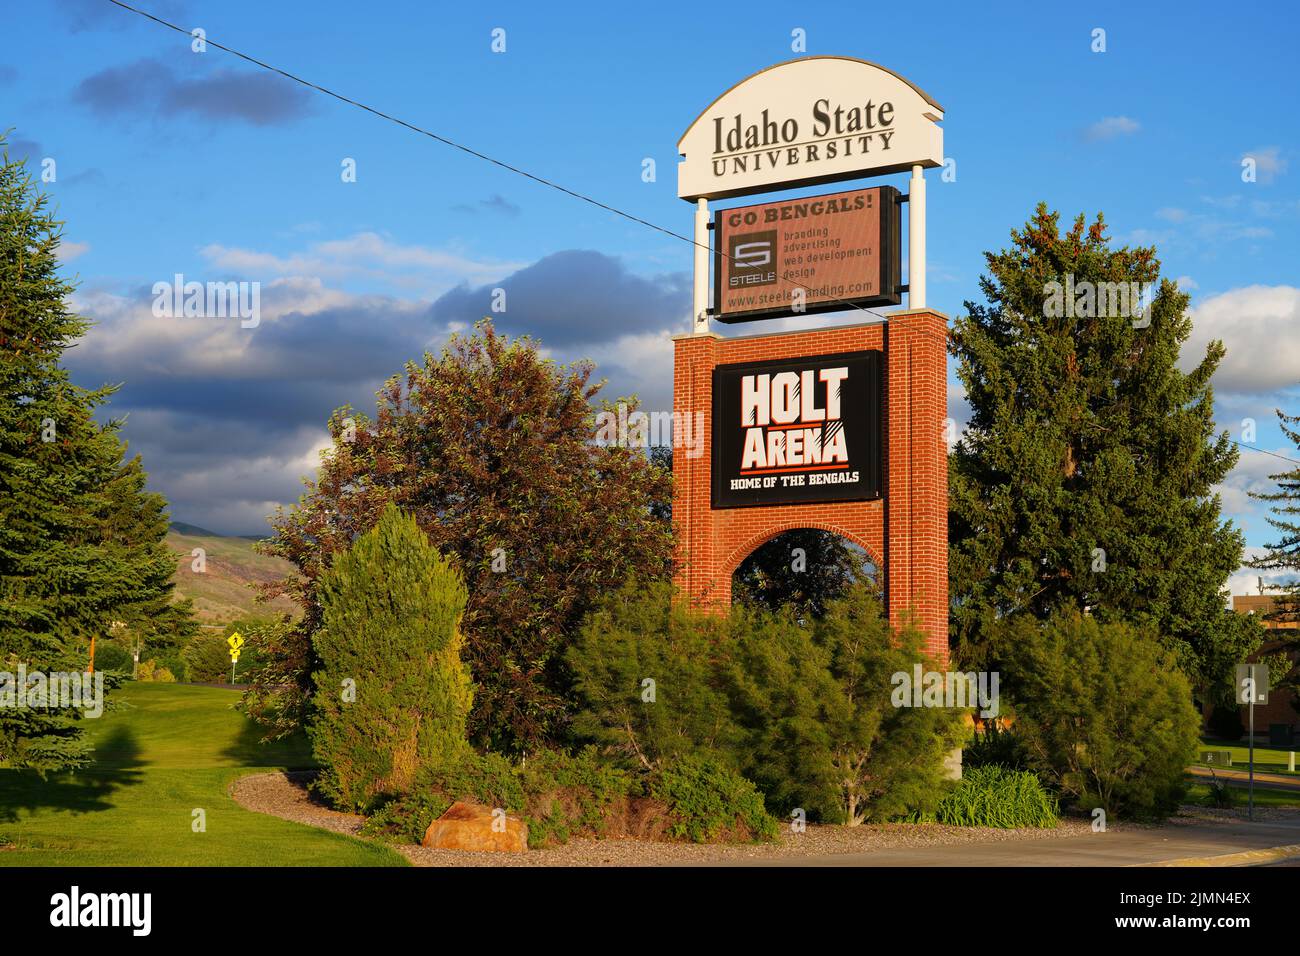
{"x": 169, "y": 161}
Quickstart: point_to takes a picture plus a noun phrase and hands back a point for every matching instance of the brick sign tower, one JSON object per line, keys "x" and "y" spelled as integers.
{"x": 839, "y": 428}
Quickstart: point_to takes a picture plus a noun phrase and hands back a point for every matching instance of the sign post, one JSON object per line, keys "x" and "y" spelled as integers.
{"x": 1252, "y": 685}
{"x": 700, "y": 311}
{"x": 236, "y": 641}
{"x": 916, "y": 240}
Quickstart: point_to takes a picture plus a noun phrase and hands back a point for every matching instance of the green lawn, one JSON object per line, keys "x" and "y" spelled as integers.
{"x": 1270, "y": 759}
{"x": 166, "y": 750}
{"x": 1264, "y": 797}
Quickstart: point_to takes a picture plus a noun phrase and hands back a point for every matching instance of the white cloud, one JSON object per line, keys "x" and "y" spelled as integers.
{"x": 228, "y": 419}
{"x": 72, "y": 250}
{"x": 128, "y": 339}
{"x": 1245, "y": 580}
{"x": 641, "y": 364}
{"x": 1110, "y": 127}
{"x": 366, "y": 255}
{"x": 1275, "y": 209}
{"x": 1258, "y": 325}
{"x": 1269, "y": 163}
{"x": 1251, "y": 474}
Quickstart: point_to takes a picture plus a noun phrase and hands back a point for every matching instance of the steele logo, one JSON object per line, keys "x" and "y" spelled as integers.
{"x": 752, "y": 256}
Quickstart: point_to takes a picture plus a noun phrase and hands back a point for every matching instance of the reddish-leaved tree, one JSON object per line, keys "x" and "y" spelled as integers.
{"x": 490, "y": 447}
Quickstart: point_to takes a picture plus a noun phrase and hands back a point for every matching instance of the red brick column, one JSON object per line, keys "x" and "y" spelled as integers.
{"x": 694, "y": 357}
{"x": 904, "y": 533}
{"x": 916, "y": 370}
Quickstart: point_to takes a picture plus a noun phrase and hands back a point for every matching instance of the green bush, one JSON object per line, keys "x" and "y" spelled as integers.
{"x": 163, "y": 665}
{"x": 207, "y": 659}
{"x": 1220, "y": 794}
{"x": 392, "y": 696}
{"x": 488, "y": 779}
{"x": 709, "y": 802}
{"x": 561, "y": 796}
{"x": 1105, "y": 715}
{"x": 112, "y": 657}
{"x": 995, "y": 796}
{"x": 572, "y": 795}
{"x": 993, "y": 746}
{"x": 647, "y": 678}
{"x": 281, "y": 652}
{"x": 170, "y": 658}
{"x": 803, "y": 709}
{"x": 822, "y": 731}
{"x": 151, "y": 671}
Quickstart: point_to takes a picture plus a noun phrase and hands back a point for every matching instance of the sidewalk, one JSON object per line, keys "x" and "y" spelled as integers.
{"x": 1115, "y": 848}
{"x": 1239, "y": 777}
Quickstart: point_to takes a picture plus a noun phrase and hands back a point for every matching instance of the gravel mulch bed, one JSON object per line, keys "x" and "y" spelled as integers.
{"x": 285, "y": 795}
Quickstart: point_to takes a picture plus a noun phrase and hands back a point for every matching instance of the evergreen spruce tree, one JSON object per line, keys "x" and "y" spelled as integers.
{"x": 134, "y": 528}
{"x": 1086, "y": 477}
{"x": 81, "y": 542}
{"x": 1284, "y": 555}
{"x": 392, "y": 696}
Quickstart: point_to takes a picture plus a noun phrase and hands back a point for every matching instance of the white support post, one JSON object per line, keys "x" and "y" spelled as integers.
{"x": 700, "y": 306}
{"x": 916, "y": 240}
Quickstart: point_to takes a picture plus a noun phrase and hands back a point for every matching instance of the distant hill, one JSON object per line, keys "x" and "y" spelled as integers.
{"x": 193, "y": 530}
{"x": 225, "y": 591}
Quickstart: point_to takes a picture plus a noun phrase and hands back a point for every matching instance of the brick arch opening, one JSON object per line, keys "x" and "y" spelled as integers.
{"x": 738, "y": 556}
{"x": 905, "y": 531}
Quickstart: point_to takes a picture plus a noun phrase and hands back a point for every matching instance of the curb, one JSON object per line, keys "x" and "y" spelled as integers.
{"x": 1245, "y": 858}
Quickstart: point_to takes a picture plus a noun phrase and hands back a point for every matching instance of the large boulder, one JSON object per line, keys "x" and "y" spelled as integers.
{"x": 469, "y": 826}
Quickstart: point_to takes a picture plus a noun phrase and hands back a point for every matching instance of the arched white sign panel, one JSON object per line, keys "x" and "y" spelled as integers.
{"x": 819, "y": 119}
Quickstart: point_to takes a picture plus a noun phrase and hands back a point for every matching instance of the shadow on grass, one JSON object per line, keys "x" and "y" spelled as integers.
{"x": 247, "y": 749}
{"x": 116, "y": 767}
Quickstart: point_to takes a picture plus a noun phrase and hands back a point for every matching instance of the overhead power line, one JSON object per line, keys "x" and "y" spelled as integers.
{"x": 1294, "y": 461}
{"x": 262, "y": 64}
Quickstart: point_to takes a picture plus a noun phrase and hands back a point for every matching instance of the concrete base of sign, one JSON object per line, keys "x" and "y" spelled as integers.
{"x": 952, "y": 765}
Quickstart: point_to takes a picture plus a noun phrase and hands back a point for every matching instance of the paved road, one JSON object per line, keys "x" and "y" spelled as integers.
{"x": 1114, "y": 848}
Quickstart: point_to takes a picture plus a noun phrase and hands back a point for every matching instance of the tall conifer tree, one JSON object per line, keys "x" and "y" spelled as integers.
{"x": 1284, "y": 555}
{"x": 1086, "y": 477}
{"x": 81, "y": 541}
